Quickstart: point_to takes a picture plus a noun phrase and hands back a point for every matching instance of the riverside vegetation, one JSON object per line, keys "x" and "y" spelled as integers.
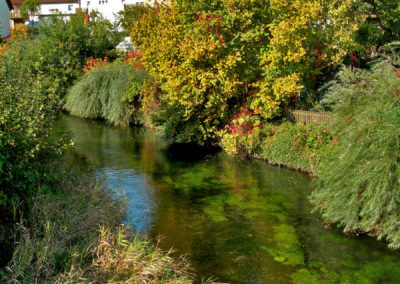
{"x": 61, "y": 226}
{"x": 210, "y": 73}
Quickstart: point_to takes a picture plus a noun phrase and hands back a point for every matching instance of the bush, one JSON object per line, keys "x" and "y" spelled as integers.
{"x": 26, "y": 115}
{"x": 359, "y": 181}
{"x": 102, "y": 91}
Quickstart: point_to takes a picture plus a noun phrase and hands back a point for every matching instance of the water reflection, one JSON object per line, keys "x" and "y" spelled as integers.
{"x": 240, "y": 221}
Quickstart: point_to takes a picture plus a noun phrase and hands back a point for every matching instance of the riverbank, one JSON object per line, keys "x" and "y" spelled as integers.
{"x": 284, "y": 144}
{"x": 76, "y": 234}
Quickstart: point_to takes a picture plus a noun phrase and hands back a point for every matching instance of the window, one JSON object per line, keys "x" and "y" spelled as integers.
{"x": 70, "y": 7}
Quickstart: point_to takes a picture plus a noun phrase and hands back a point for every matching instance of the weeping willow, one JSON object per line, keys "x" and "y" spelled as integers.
{"x": 99, "y": 93}
{"x": 359, "y": 181}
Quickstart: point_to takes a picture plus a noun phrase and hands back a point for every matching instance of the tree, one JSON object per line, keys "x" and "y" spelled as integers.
{"x": 214, "y": 58}
{"x": 358, "y": 181}
{"x": 29, "y": 8}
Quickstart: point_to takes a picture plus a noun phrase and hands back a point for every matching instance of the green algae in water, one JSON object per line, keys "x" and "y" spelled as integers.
{"x": 305, "y": 276}
{"x": 385, "y": 271}
{"x": 197, "y": 177}
{"x": 287, "y": 247}
{"x": 214, "y": 208}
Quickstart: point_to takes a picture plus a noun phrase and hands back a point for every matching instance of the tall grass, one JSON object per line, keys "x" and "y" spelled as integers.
{"x": 76, "y": 236}
{"x": 359, "y": 181}
{"x": 99, "y": 93}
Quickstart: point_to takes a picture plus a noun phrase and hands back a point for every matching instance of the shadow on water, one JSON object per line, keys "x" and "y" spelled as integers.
{"x": 189, "y": 152}
{"x": 237, "y": 220}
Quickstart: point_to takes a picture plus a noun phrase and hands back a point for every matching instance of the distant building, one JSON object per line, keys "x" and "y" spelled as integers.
{"x": 109, "y": 8}
{"x": 46, "y": 8}
{"x": 5, "y": 8}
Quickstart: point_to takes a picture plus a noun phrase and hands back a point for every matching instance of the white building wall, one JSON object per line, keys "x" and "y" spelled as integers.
{"x": 4, "y": 19}
{"x": 108, "y": 8}
{"x": 48, "y": 9}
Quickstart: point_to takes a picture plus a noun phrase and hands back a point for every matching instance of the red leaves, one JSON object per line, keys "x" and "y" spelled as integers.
{"x": 240, "y": 123}
{"x": 134, "y": 58}
{"x": 93, "y": 62}
{"x": 398, "y": 73}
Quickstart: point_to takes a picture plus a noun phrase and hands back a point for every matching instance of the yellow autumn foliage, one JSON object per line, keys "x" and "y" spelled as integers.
{"x": 212, "y": 60}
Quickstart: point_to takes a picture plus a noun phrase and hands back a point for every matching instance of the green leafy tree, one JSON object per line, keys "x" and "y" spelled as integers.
{"x": 29, "y": 8}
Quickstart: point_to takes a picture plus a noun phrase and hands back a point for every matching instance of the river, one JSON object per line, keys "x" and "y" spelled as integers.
{"x": 237, "y": 221}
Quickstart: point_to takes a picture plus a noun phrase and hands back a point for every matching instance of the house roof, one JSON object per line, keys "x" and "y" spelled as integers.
{"x": 19, "y": 2}
{"x": 10, "y": 6}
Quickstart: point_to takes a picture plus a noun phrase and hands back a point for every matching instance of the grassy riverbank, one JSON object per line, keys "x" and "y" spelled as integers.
{"x": 75, "y": 234}
{"x": 286, "y": 144}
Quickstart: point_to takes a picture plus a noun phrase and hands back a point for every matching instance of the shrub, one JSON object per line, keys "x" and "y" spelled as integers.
{"x": 102, "y": 91}
{"x": 26, "y": 115}
{"x": 243, "y": 134}
{"x": 359, "y": 181}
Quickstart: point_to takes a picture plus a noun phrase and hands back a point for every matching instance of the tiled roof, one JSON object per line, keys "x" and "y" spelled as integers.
{"x": 19, "y": 2}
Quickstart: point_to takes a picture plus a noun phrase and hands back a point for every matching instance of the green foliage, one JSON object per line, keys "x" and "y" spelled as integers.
{"x": 358, "y": 186}
{"x": 59, "y": 51}
{"x": 381, "y": 23}
{"x": 131, "y": 14}
{"x": 29, "y": 8}
{"x": 295, "y": 146}
{"x": 107, "y": 92}
{"x": 26, "y": 115}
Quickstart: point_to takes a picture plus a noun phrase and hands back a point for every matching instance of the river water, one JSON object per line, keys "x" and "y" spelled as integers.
{"x": 237, "y": 221}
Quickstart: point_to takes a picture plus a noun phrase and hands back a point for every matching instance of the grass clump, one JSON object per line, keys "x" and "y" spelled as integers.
{"x": 118, "y": 256}
{"x": 359, "y": 180}
{"x": 101, "y": 92}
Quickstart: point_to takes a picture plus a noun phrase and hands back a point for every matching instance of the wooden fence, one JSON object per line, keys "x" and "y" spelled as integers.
{"x": 307, "y": 116}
